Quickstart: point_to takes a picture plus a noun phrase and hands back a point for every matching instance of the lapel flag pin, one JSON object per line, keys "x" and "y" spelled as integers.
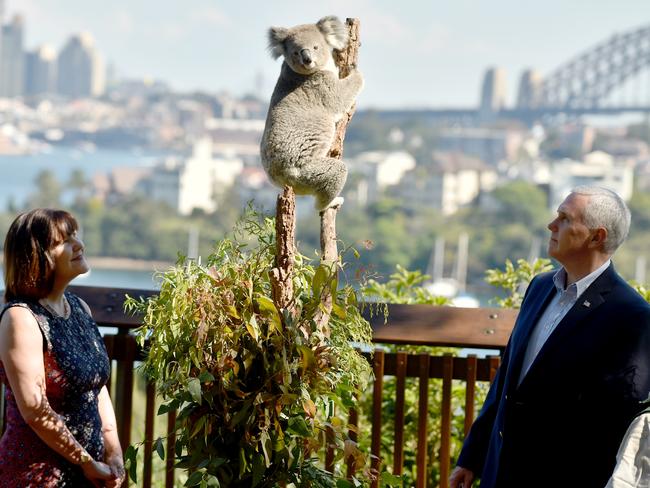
{"x": 587, "y": 303}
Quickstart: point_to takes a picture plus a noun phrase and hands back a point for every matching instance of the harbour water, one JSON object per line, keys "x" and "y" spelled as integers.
{"x": 20, "y": 171}
{"x": 118, "y": 278}
{"x": 113, "y": 278}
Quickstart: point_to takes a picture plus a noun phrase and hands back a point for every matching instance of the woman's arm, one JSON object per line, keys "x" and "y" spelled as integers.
{"x": 21, "y": 346}
{"x": 112, "y": 448}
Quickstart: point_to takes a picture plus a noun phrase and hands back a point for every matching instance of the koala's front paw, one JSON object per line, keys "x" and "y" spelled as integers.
{"x": 356, "y": 79}
{"x": 337, "y": 202}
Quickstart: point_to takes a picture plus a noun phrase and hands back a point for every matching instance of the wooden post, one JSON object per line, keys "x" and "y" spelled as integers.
{"x": 345, "y": 60}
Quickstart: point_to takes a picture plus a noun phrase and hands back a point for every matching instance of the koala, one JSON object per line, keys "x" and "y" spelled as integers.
{"x": 308, "y": 100}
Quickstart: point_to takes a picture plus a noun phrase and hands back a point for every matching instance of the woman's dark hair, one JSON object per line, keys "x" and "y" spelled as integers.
{"x": 28, "y": 264}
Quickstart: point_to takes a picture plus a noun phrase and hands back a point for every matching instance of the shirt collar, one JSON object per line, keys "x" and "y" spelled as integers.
{"x": 576, "y": 289}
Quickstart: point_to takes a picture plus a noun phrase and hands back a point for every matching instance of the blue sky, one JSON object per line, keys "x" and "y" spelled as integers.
{"x": 414, "y": 53}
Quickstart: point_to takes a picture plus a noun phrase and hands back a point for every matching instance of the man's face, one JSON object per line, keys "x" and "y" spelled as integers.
{"x": 570, "y": 237}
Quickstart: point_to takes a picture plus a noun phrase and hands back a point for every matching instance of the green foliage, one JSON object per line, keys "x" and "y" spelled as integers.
{"x": 48, "y": 191}
{"x": 255, "y": 387}
{"x": 514, "y": 279}
{"x": 643, "y": 290}
{"x": 404, "y": 286}
{"x": 521, "y": 202}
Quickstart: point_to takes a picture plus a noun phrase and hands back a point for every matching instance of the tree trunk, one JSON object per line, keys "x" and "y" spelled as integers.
{"x": 346, "y": 60}
{"x": 285, "y": 230}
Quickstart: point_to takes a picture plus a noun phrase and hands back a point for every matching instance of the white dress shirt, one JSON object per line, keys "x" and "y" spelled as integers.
{"x": 633, "y": 458}
{"x": 558, "y": 307}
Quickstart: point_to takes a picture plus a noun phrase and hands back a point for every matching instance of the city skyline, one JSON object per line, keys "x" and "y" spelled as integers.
{"x": 413, "y": 53}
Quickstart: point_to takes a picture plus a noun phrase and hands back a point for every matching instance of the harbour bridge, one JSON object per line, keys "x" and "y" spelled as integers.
{"x": 585, "y": 85}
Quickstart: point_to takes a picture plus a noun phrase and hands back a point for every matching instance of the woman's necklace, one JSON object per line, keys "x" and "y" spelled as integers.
{"x": 52, "y": 310}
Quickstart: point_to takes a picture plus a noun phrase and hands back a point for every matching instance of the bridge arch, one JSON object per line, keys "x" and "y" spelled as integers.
{"x": 586, "y": 80}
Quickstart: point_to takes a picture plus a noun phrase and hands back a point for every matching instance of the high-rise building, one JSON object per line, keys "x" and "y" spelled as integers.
{"x": 40, "y": 71}
{"x": 80, "y": 69}
{"x": 12, "y": 58}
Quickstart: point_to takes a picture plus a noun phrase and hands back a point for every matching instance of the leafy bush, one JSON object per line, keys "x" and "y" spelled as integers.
{"x": 255, "y": 387}
{"x": 515, "y": 279}
{"x": 404, "y": 286}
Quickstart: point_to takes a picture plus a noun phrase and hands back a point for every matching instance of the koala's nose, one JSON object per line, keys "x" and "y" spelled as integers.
{"x": 305, "y": 55}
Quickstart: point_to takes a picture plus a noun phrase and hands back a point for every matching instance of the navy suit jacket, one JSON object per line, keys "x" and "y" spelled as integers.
{"x": 562, "y": 426}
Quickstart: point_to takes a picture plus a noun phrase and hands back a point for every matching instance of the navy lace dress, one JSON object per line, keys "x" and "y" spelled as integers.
{"x": 76, "y": 368}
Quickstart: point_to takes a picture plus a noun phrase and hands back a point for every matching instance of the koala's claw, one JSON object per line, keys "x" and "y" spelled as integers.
{"x": 335, "y": 203}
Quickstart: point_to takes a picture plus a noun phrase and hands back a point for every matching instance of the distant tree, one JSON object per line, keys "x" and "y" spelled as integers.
{"x": 522, "y": 202}
{"x": 79, "y": 185}
{"x": 640, "y": 209}
{"x": 90, "y": 215}
{"x": 48, "y": 191}
{"x": 12, "y": 206}
{"x": 5, "y": 221}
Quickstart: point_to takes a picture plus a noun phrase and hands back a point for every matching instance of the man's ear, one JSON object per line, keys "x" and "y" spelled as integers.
{"x": 599, "y": 236}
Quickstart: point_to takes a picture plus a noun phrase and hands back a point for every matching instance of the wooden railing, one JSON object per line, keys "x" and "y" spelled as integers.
{"x": 407, "y": 324}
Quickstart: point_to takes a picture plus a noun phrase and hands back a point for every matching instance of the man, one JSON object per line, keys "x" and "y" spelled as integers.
{"x": 577, "y": 365}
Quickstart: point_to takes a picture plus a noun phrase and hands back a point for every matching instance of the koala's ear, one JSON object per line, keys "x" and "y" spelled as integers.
{"x": 335, "y": 32}
{"x": 277, "y": 36}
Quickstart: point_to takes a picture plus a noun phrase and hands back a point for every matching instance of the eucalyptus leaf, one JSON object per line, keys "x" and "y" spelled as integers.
{"x": 206, "y": 377}
{"x": 159, "y": 448}
{"x": 194, "y": 479}
{"x": 320, "y": 277}
{"x": 297, "y": 425}
{"x": 388, "y": 479}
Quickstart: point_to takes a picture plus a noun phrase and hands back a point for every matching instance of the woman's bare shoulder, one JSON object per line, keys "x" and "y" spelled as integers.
{"x": 18, "y": 319}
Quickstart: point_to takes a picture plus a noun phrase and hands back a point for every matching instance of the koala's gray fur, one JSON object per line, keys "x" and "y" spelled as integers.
{"x": 308, "y": 100}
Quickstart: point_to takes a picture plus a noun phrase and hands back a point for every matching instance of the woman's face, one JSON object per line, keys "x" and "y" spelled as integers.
{"x": 69, "y": 259}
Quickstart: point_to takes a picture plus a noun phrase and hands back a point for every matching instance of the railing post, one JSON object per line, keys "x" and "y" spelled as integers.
{"x": 124, "y": 387}
{"x": 470, "y": 392}
{"x": 445, "y": 419}
{"x": 398, "y": 454}
{"x": 171, "y": 447}
{"x": 423, "y": 409}
{"x": 148, "y": 434}
{"x": 377, "y": 398}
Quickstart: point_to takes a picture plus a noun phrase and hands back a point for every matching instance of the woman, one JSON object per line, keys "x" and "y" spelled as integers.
{"x": 61, "y": 428}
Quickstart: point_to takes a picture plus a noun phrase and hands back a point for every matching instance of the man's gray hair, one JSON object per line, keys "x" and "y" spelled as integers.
{"x": 606, "y": 209}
